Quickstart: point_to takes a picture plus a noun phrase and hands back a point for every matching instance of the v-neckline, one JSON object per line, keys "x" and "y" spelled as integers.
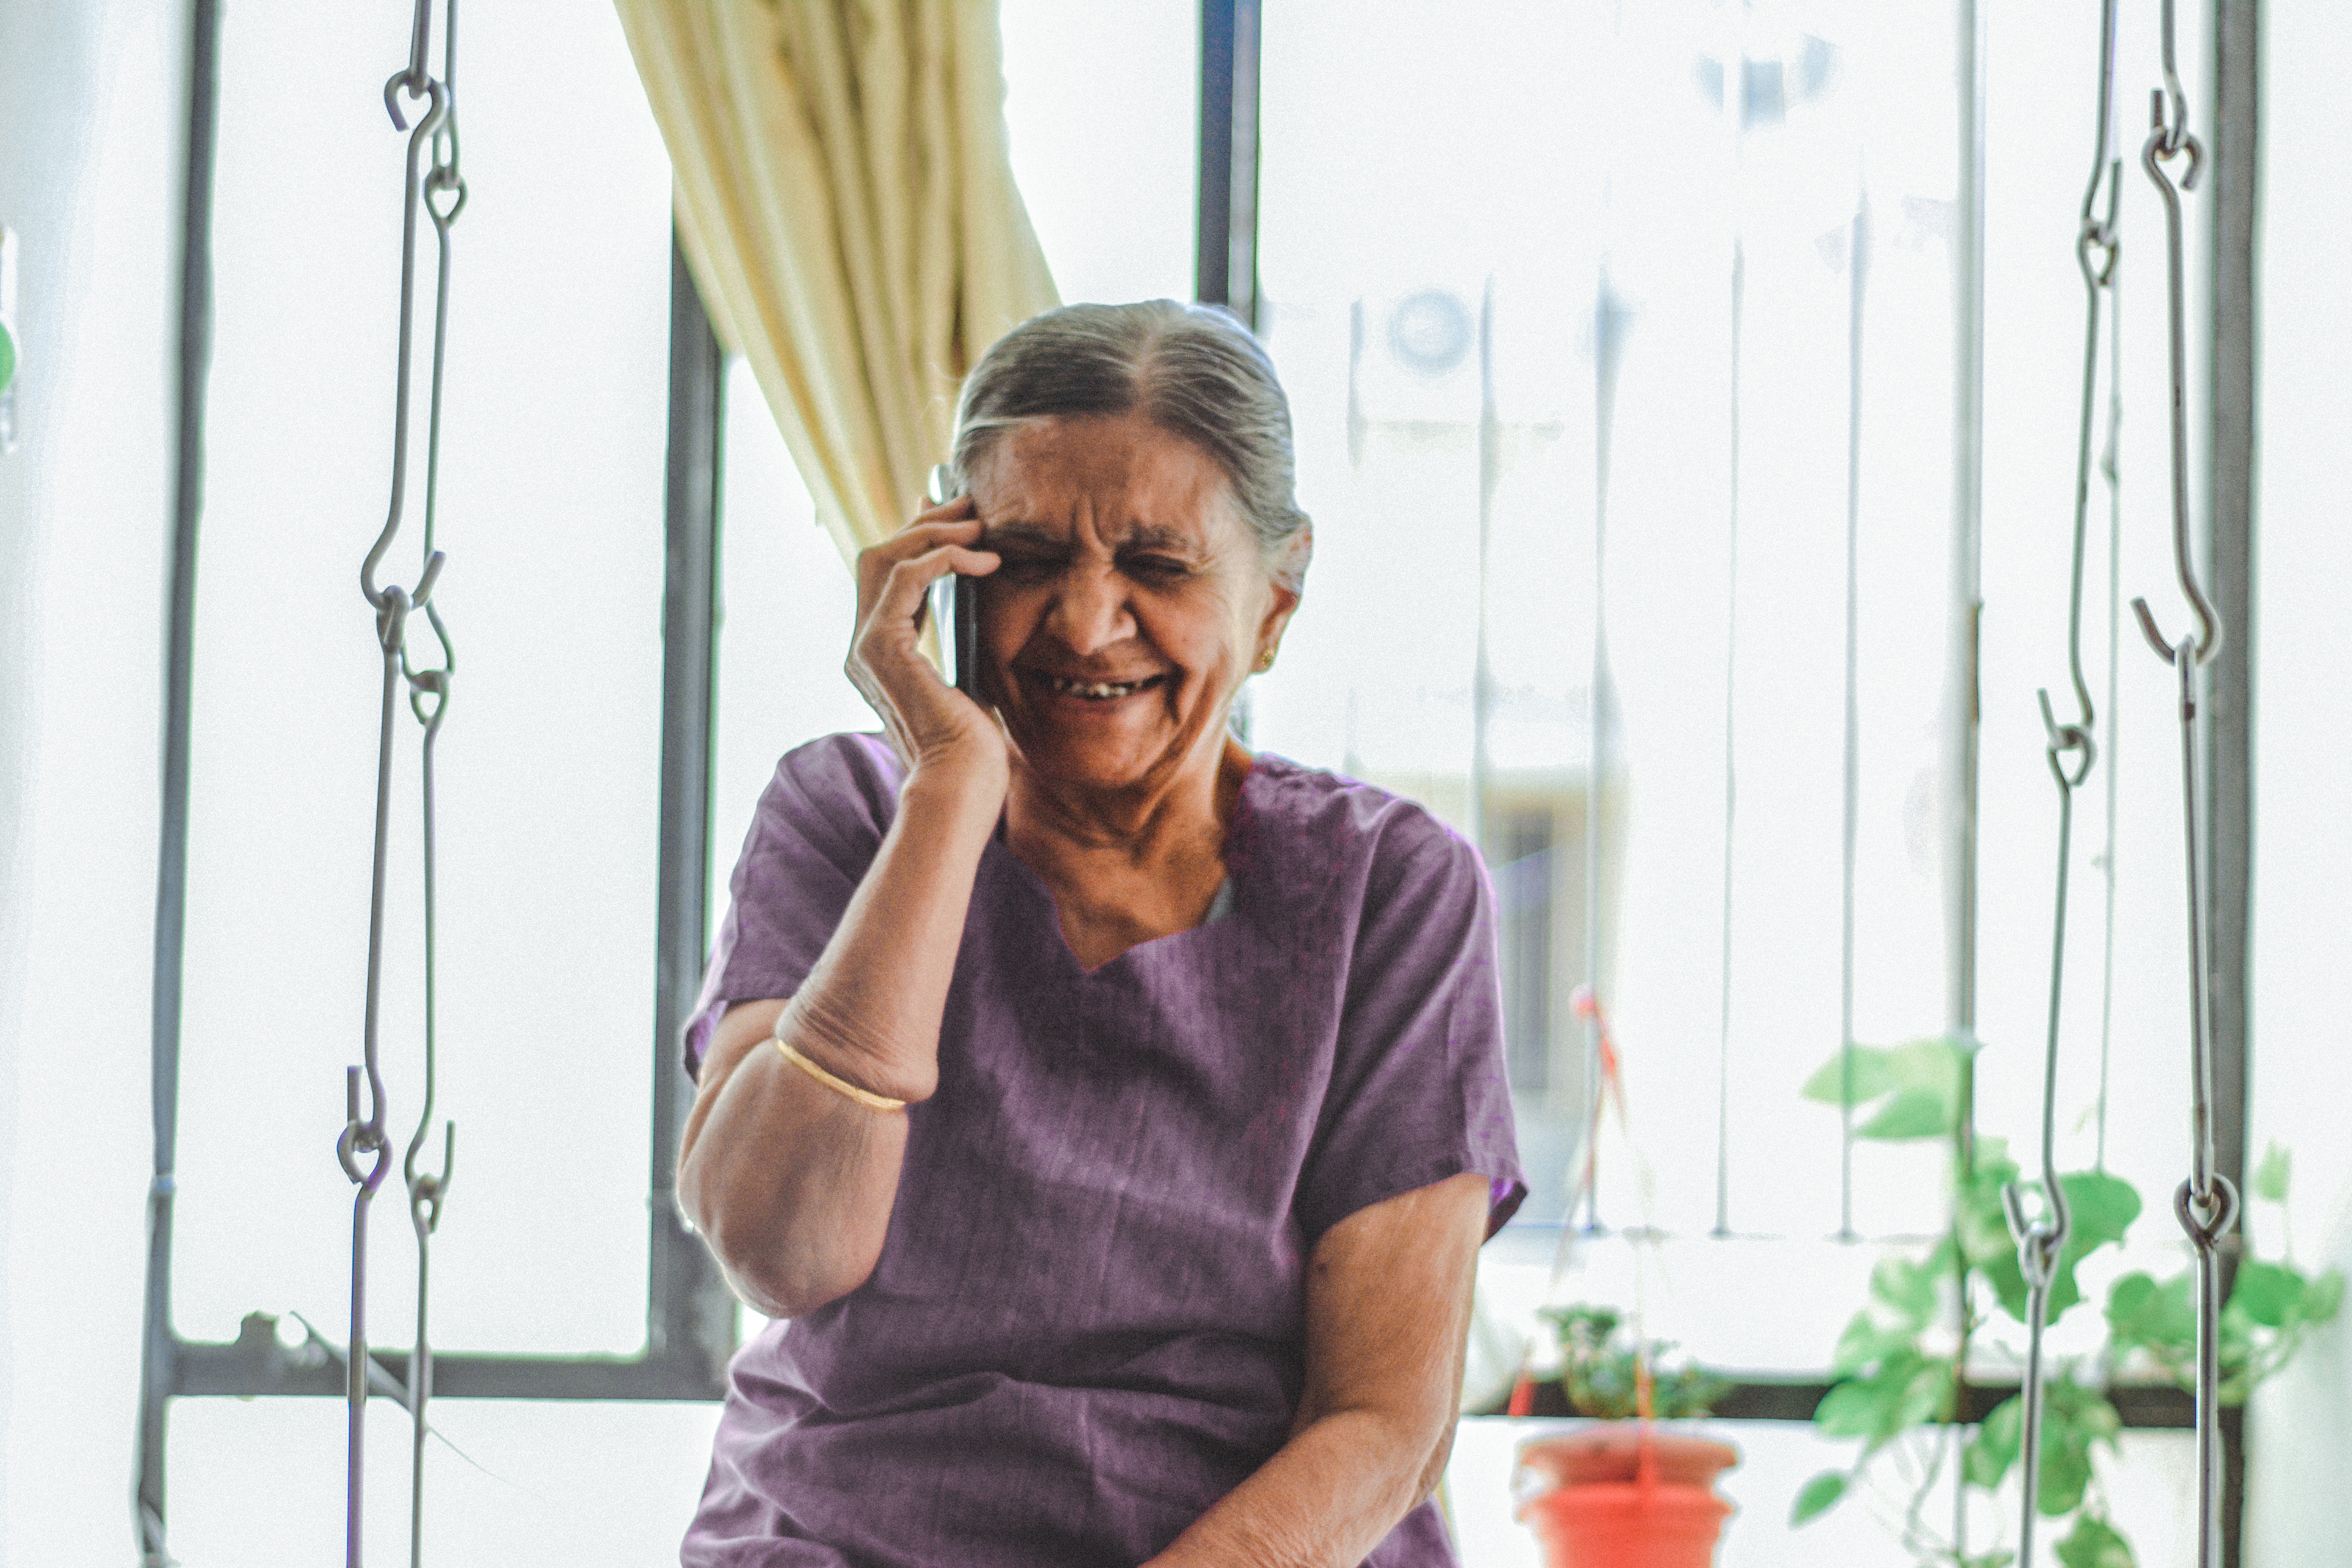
{"x": 1222, "y": 907}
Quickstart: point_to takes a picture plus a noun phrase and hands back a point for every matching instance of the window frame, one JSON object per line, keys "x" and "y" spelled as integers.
{"x": 691, "y": 1314}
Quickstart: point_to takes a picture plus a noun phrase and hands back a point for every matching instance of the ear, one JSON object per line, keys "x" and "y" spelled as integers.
{"x": 1290, "y": 569}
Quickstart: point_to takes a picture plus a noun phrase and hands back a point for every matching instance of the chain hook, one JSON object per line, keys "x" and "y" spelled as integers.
{"x": 417, "y": 140}
{"x": 362, "y": 1134}
{"x": 426, "y": 1189}
{"x": 2162, "y": 144}
{"x": 2174, "y": 127}
{"x": 2207, "y": 1219}
{"x": 412, "y": 79}
{"x": 2064, "y": 739}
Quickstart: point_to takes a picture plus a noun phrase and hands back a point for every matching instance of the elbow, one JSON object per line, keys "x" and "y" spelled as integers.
{"x": 778, "y": 1279}
{"x": 1433, "y": 1469}
{"x": 769, "y": 1261}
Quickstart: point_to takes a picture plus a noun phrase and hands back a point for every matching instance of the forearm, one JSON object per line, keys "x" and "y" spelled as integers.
{"x": 871, "y": 1008}
{"x": 1326, "y": 1500}
{"x": 791, "y": 1181}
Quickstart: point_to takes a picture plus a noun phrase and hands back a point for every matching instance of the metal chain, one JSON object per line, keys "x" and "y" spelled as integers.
{"x": 2042, "y": 1239}
{"x": 439, "y": 190}
{"x": 2207, "y": 1203}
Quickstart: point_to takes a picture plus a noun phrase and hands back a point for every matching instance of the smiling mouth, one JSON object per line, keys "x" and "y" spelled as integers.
{"x": 1094, "y": 690}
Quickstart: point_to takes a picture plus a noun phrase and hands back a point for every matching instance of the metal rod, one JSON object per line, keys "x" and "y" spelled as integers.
{"x": 689, "y": 1312}
{"x": 1482, "y": 674}
{"x": 1608, "y": 345}
{"x": 157, "y": 1342}
{"x": 2110, "y": 466}
{"x": 1967, "y": 620}
{"x": 2229, "y": 690}
{"x": 1730, "y": 755}
{"x": 1225, "y": 236}
{"x": 1857, "y": 259}
{"x": 1967, "y": 550}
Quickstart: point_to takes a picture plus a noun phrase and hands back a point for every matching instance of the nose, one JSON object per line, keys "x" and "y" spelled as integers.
{"x": 1090, "y": 613}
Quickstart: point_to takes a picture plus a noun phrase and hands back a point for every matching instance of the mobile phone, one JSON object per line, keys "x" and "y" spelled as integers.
{"x": 954, "y": 609}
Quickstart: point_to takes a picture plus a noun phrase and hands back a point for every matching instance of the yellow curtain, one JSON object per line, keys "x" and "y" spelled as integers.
{"x": 846, "y": 200}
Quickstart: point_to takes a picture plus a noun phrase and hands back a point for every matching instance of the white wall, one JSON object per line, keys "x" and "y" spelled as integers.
{"x": 2300, "y": 1510}
{"x": 90, "y": 97}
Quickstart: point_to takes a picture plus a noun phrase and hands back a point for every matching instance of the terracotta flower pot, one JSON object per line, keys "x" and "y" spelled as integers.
{"x": 1623, "y": 1494}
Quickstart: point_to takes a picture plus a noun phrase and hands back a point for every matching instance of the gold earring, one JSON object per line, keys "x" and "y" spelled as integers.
{"x": 1266, "y": 661}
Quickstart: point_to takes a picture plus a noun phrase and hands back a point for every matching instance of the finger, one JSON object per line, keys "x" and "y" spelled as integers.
{"x": 953, "y": 508}
{"x": 916, "y": 538}
{"x": 903, "y": 588}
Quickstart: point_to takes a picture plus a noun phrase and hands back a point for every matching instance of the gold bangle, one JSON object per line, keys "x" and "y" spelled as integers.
{"x": 864, "y": 1097}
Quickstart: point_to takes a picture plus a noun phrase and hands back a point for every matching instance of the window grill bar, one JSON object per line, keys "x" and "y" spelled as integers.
{"x": 2140, "y": 1406}
{"x": 1963, "y": 698}
{"x": 689, "y": 1312}
{"x": 158, "y": 1345}
{"x": 1225, "y": 270}
{"x": 1731, "y": 748}
{"x": 1857, "y": 260}
{"x": 2229, "y": 690}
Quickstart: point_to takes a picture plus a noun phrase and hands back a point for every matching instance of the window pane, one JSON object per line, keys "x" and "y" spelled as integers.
{"x": 550, "y": 514}
{"x": 1499, "y": 253}
{"x": 1103, "y": 105}
{"x": 260, "y": 1484}
{"x": 2033, "y": 357}
{"x": 787, "y": 606}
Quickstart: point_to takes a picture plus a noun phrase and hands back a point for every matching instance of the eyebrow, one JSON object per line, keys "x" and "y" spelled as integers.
{"x": 1142, "y": 536}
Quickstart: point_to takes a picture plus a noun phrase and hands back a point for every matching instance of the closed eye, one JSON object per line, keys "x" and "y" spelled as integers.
{"x": 1029, "y": 567}
{"x": 1155, "y": 568}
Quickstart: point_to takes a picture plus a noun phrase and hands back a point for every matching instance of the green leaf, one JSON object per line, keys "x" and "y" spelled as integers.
{"x": 2065, "y": 1469}
{"x": 1873, "y": 1075}
{"x": 2143, "y": 1314}
{"x": 2268, "y": 1293}
{"x": 1994, "y": 1449}
{"x": 1866, "y": 1340}
{"x": 1857, "y": 1408}
{"x": 1817, "y": 1496}
{"x": 2085, "y": 1411}
{"x": 2073, "y": 1419}
{"x": 2322, "y": 1296}
{"x": 1907, "y": 1288}
{"x": 1998, "y": 1557}
{"x": 2094, "y": 1543}
{"x": 2100, "y": 1208}
{"x": 2271, "y": 1176}
{"x": 1908, "y": 1389}
{"x": 1920, "y": 1083}
{"x": 1912, "y": 1113}
{"x": 1927, "y": 1391}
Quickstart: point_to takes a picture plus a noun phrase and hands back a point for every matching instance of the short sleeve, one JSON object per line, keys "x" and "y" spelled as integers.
{"x": 816, "y": 830}
{"x": 1419, "y": 1091}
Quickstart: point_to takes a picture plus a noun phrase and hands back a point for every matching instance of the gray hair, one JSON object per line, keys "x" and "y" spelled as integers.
{"x": 1191, "y": 370}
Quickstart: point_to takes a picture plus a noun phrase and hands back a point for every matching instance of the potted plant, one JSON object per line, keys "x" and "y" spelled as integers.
{"x": 1622, "y": 1492}
{"x": 1899, "y": 1369}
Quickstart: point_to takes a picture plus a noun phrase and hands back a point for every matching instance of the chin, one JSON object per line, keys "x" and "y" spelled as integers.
{"x": 1090, "y": 764}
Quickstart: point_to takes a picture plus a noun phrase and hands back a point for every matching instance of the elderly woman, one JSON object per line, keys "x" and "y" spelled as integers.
{"x": 1114, "y": 1115}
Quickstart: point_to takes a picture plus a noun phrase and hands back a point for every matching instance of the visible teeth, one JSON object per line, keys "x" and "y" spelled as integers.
{"x": 1098, "y": 691}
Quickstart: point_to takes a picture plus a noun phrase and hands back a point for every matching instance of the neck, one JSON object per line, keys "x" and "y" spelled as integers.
{"x": 1176, "y": 823}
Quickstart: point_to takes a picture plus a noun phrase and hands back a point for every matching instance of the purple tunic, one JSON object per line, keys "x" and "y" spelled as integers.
{"x": 1086, "y": 1324}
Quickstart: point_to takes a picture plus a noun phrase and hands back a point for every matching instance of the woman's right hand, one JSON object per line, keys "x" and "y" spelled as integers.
{"x": 936, "y": 729}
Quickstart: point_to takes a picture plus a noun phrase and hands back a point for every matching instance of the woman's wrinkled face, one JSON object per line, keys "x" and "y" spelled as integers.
{"x": 1131, "y": 604}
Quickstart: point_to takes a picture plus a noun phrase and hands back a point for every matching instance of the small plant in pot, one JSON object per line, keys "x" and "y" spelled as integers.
{"x": 1621, "y": 1492}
